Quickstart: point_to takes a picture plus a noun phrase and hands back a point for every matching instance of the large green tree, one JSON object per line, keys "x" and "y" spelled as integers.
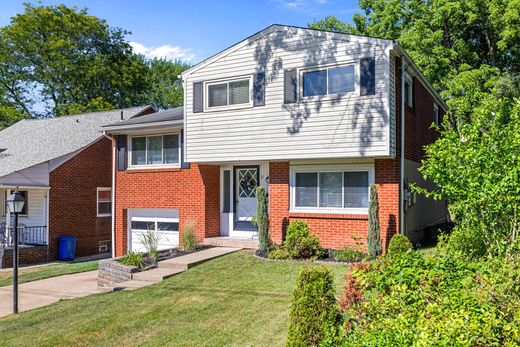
{"x": 67, "y": 60}
{"x": 165, "y": 88}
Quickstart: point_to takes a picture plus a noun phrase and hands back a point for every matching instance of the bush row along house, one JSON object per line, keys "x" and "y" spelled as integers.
{"x": 314, "y": 117}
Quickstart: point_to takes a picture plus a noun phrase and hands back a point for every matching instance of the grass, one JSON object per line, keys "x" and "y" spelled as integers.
{"x": 42, "y": 272}
{"x": 235, "y": 300}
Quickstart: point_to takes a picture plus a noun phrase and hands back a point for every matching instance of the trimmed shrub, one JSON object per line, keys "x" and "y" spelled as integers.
{"x": 314, "y": 318}
{"x": 133, "y": 259}
{"x": 262, "y": 219}
{"x": 188, "y": 238}
{"x": 300, "y": 243}
{"x": 373, "y": 235}
{"x": 347, "y": 254}
{"x": 279, "y": 253}
{"x": 399, "y": 244}
{"x": 444, "y": 300}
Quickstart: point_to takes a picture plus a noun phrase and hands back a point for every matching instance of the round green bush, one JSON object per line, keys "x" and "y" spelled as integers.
{"x": 300, "y": 243}
{"x": 278, "y": 254}
{"x": 314, "y": 318}
{"x": 399, "y": 244}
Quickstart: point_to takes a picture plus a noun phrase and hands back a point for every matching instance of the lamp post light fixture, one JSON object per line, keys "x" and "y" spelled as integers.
{"x": 15, "y": 203}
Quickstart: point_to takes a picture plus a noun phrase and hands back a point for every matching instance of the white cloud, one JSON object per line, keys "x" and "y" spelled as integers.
{"x": 164, "y": 51}
{"x": 292, "y": 4}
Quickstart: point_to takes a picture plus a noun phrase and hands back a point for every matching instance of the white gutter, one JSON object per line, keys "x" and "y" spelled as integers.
{"x": 401, "y": 174}
{"x": 113, "y": 193}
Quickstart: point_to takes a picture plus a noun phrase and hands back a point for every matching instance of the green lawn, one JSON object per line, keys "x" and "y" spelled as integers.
{"x": 41, "y": 272}
{"x": 233, "y": 300}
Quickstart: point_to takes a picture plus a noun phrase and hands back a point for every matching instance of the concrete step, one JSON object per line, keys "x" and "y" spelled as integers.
{"x": 190, "y": 260}
{"x": 156, "y": 275}
{"x": 128, "y": 285}
{"x": 231, "y": 242}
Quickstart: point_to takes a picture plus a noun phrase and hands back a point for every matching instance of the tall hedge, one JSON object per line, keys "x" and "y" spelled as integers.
{"x": 314, "y": 318}
{"x": 262, "y": 219}
{"x": 374, "y": 229}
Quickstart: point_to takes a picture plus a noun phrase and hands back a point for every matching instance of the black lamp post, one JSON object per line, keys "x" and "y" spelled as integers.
{"x": 15, "y": 204}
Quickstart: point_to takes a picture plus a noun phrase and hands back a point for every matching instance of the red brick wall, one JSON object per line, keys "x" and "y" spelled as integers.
{"x": 195, "y": 192}
{"x": 73, "y": 199}
{"x": 419, "y": 118}
{"x": 27, "y": 256}
{"x": 335, "y": 230}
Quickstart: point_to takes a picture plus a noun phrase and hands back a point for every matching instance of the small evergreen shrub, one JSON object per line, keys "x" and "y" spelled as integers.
{"x": 314, "y": 318}
{"x": 279, "y": 253}
{"x": 347, "y": 254}
{"x": 399, "y": 244}
{"x": 262, "y": 219}
{"x": 373, "y": 235}
{"x": 133, "y": 259}
{"x": 188, "y": 238}
{"x": 300, "y": 243}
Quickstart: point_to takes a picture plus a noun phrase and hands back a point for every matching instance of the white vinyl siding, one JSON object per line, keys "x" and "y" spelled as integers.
{"x": 36, "y": 207}
{"x": 331, "y": 188}
{"x": 341, "y": 125}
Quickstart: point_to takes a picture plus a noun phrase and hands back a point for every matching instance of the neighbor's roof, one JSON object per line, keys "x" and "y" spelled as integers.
{"x": 34, "y": 141}
{"x": 173, "y": 117}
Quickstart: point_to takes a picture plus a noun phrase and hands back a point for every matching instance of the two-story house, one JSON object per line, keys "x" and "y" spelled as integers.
{"x": 315, "y": 117}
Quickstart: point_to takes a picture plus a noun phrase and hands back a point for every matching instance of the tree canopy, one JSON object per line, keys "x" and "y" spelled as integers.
{"x": 58, "y": 60}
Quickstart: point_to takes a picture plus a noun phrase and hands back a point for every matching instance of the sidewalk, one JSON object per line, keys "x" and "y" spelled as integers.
{"x": 44, "y": 292}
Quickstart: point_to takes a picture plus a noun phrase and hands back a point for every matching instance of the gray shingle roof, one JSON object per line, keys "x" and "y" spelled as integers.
{"x": 173, "y": 115}
{"x": 34, "y": 141}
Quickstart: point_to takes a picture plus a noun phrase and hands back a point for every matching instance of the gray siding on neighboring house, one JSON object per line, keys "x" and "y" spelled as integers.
{"x": 323, "y": 127}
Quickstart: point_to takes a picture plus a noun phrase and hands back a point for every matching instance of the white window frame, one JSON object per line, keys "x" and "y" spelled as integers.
{"x": 409, "y": 97}
{"x": 103, "y": 189}
{"x": 328, "y": 168}
{"x": 327, "y": 67}
{"x": 152, "y": 166}
{"x": 436, "y": 114}
{"x": 228, "y": 106}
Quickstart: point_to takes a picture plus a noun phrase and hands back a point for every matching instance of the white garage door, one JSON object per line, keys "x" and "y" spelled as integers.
{"x": 163, "y": 222}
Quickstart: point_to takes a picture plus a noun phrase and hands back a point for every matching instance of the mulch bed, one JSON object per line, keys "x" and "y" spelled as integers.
{"x": 325, "y": 260}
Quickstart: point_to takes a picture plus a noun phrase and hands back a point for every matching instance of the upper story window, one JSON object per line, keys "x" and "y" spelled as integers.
{"x": 229, "y": 93}
{"x": 408, "y": 90}
{"x": 155, "y": 150}
{"x": 332, "y": 80}
{"x": 436, "y": 115}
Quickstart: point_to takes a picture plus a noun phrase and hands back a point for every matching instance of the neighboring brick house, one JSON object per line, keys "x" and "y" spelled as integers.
{"x": 314, "y": 117}
{"x": 63, "y": 167}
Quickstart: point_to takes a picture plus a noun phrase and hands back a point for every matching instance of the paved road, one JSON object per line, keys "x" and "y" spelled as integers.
{"x": 44, "y": 292}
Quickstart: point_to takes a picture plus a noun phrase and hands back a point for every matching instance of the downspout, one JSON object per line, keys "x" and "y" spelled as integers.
{"x": 402, "y": 223}
{"x": 113, "y": 193}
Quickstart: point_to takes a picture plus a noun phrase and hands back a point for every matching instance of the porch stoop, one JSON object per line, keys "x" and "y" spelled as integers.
{"x": 226, "y": 241}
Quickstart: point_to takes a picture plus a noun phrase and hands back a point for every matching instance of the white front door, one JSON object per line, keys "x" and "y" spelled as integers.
{"x": 246, "y": 181}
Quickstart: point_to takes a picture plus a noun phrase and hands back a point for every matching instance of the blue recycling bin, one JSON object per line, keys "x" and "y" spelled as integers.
{"x": 66, "y": 247}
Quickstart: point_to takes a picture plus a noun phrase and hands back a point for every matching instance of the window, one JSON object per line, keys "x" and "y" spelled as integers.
{"x": 436, "y": 116}
{"x": 333, "y": 80}
{"x": 104, "y": 202}
{"x": 408, "y": 90}
{"x": 229, "y": 93}
{"x": 155, "y": 150}
{"x": 331, "y": 189}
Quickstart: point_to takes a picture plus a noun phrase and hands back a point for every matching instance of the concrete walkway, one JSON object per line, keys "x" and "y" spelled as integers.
{"x": 44, "y": 292}
{"x": 170, "y": 267}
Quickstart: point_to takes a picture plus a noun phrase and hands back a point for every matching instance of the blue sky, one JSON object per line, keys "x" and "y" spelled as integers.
{"x": 193, "y": 30}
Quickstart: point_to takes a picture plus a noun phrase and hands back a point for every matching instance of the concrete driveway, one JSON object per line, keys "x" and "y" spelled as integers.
{"x": 44, "y": 292}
